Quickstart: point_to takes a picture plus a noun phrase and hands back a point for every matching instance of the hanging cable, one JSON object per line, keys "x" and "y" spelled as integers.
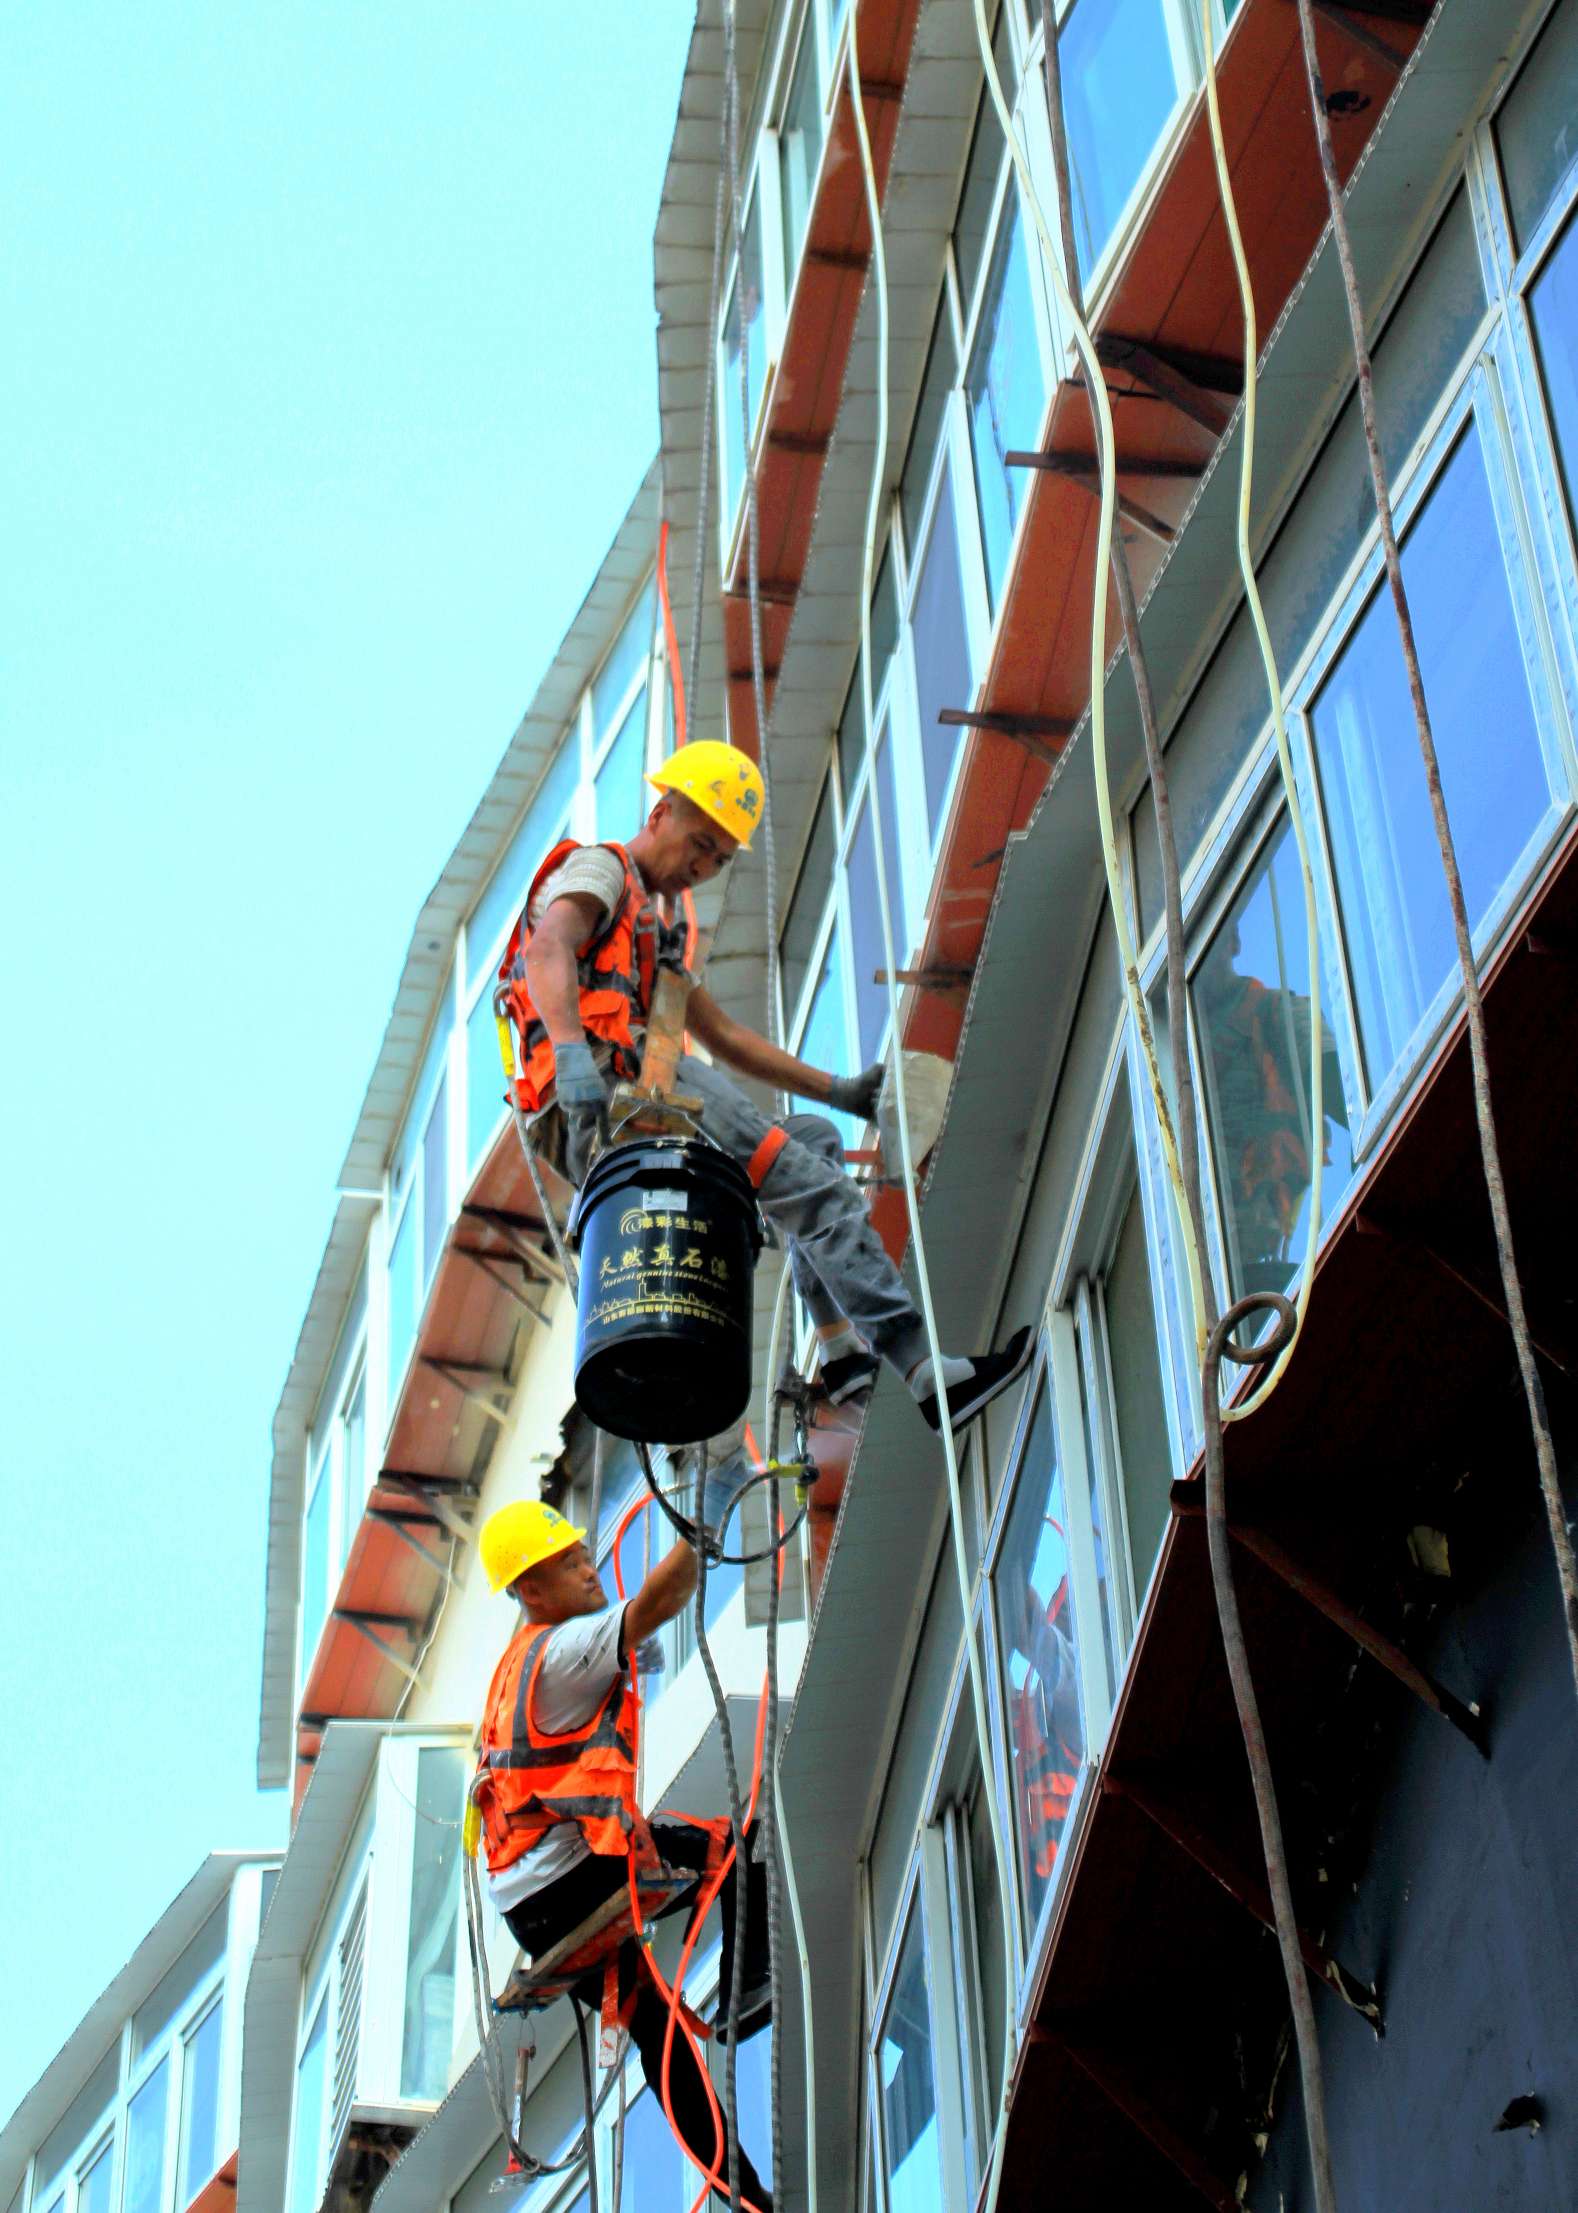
{"x": 879, "y": 277}
{"x": 1473, "y": 1001}
{"x": 741, "y": 1857}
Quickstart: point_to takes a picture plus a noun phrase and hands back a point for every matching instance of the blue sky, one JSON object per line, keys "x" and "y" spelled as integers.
{"x": 329, "y": 373}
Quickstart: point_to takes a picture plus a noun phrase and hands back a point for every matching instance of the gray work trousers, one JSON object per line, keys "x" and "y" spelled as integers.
{"x": 841, "y": 1267}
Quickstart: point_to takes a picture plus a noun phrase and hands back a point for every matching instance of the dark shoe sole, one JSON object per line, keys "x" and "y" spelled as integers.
{"x": 1017, "y": 1355}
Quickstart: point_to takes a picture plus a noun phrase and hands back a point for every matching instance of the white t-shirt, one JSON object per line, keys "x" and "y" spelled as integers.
{"x": 580, "y": 1665}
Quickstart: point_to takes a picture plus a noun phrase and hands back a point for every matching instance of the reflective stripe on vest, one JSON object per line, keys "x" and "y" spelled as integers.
{"x": 615, "y": 974}
{"x": 529, "y": 1781}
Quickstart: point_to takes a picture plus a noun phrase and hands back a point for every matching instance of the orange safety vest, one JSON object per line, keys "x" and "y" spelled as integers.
{"x": 616, "y": 971}
{"x": 528, "y": 1781}
{"x": 1048, "y": 1768}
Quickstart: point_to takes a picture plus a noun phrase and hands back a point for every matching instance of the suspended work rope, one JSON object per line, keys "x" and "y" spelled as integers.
{"x": 956, "y": 1523}
{"x": 1473, "y": 1001}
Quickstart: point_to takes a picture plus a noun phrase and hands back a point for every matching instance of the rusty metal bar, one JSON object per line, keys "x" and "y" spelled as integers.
{"x": 1074, "y": 470}
{"x": 1336, "y": 11}
{"x": 1244, "y": 1889}
{"x": 838, "y": 257}
{"x": 1166, "y": 376}
{"x": 1342, "y": 1616}
{"x": 814, "y": 443}
{"x": 940, "y": 977}
{"x": 486, "y": 1262}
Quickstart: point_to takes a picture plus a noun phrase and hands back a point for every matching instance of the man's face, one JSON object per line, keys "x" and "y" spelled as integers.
{"x": 564, "y": 1587}
{"x": 685, "y": 847}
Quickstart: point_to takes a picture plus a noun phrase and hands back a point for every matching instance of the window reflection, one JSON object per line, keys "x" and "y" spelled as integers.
{"x": 1553, "y": 304}
{"x": 943, "y": 676}
{"x": 93, "y": 2185}
{"x": 435, "y": 1902}
{"x": 908, "y": 2085}
{"x": 825, "y": 1040}
{"x": 1389, "y": 876}
{"x": 1036, "y": 1630}
{"x": 200, "y": 2102}
{"x": 1118, "y": 91}
{"x": 145, "y": 2120}
{"x": 1253, "y": 1015}
{"x": 1006, "y": 393}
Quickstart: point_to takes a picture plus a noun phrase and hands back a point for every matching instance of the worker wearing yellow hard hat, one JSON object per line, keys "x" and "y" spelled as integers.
{"x": 555, "y": 1797}
{"x": 599, "y": 924}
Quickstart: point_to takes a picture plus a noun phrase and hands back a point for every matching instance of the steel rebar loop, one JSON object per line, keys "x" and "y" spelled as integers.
{"x": 737, "y": 1825}
{"x": 1184, "y": 1104}
{"x": 1220, "y": 1346}
{"x": 1473, "y": 1001}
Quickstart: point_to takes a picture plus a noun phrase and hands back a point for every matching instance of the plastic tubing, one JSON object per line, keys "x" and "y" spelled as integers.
{"x": 1005, "y": 1873}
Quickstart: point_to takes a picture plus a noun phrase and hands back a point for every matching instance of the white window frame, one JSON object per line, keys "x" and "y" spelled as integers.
{"x": 761, "y": 199}
{"x": 946, "y": 2082}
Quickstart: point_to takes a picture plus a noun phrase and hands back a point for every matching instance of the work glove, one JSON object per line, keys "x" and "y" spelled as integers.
{"x": 723, "y": 1486}
{"x": 649, "y": 1656}
{"x": 583, "y": 1101}
{"x": 857, "y": 1095}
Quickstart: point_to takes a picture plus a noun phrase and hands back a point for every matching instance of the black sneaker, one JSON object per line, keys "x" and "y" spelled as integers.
{"x": 991, "y": 1373}
{"x": 850, "y": 1376}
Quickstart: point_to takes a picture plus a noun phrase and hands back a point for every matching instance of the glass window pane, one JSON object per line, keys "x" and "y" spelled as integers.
{"x": 93, "y": 2184}
{"x": 884, "y": 619}
{"x": 402, "y": 1302}
{"x": 315, "y": 1564}
{"x": 655, "y": 2167}
{"x": 200, "y": 2102}
{"x": 865, "y": 913}
{"x": 1118, "y": 91}
{"x": 943, "y": 676}
{"x": 626, "y": 660}
{"x": 1389, "y": 877}
{"x": 484, "y": 1080}
{"x": 852, "y": 736}
{"x": 1538, "y": 128}
{"x": 808, "y": 905}
{"x": 353, "y": 1463}
{"x": 622, "y": 798}
{"x": 430, "y": 1947}
{"x": 307, "y": 2136}
{"x": 414, "y": 1130}
{"x": 800, "y": 148}
{"x": 435, "y": 1182}
{"x": 82, "y": 2119}
{"x": 1139, "y": 1411}
{"x": 1038, "y": 1634}
{"x": 1251, "y": 1001}
{"x": 1006, "y": 392}
{"x": 990, "y": 1957}
{"x": 1553, "y": 304}
{"x": 1095, "y": 1499}
{"x": 825, "y": 1041}
{"x": 154, "y": 2016}
{"x": 942, "y": 366}
{"x": 911, "y": 2143}
{"x": 145, "y": 2122}
{"x": 496, "y": 910}
{"x": 744, "y": 325}
{"x": 981, "y": 172}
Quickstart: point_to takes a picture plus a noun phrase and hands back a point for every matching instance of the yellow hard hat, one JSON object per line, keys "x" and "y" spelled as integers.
{"x": 723, "y": 782}
{"x": 521, "y": 1535}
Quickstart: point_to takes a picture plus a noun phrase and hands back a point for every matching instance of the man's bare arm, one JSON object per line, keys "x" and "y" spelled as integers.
{"x": 737, "y": 1047}
{"x": 666, "y": 1592}
{"x": 550, "y": 963}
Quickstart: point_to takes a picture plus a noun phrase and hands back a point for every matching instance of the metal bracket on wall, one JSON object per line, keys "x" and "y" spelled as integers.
{"x": 400, "y": 1523}
{"x": 1078, "y": 470}
{"x": 518, "y": 1229}
{"x": 1120, "y": 2092}
{"x": 939, "y": 977}
{"x": 1244, "y": 1888}
{"x": 1043, "y": 735}
{"x": 1342, "y": 13}
{"x": 1205, "y": 388}
{"x": 477, "y": 1384}
{"x": 490, "y": 1265}
{"x": 429, "y": 1490}
{"x": 367, "y": 1626}
{"x": 1349, "y": 1620}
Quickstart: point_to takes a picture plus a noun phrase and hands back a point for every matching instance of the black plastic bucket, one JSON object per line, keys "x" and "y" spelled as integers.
{"x": 668, "y": 1237}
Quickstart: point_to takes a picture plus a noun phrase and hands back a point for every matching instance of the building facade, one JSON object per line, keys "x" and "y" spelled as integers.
{"x": 138, "y": 2111}
{"x": 1096, "y": 2013}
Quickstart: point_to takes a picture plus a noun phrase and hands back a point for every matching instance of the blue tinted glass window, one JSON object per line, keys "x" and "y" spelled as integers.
{"x": 808, "y": 904}
{"x": 825, "y": 1043}
{"x": 1038, "y": 1635}
{"x": 429, "y": 2025}
{"x": 865, "y": 912}
{"x": 200, "y": 2102}
{"x": 435, "y": 1182}
{"x": 943, "y": 676}
{"x": 93, "y": 2184}
{"x": 800, "y": 148}
{"x": 505, "y": 895}
{"x": 655, "y": 2167}
{"x": 315, "y": 1564}
{"x": 1553, "y": 303}
{"x": 1389, "y": 878}
{"x": 912, "y": 2145}
{"x": 626, "y": 660}
{"x": 1537, "y": 131}
{"x": 1006, "y": 392}
{"x": 402, "y": 1302}
{"x": 484, "y": 1079}
{"x": 623, "y": 800}
{"x": 145, "y": 2123}
{"x": 745, "y": 324}
{"x": 1253, "y": 1016}
{"x": 1118, "y": 91}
